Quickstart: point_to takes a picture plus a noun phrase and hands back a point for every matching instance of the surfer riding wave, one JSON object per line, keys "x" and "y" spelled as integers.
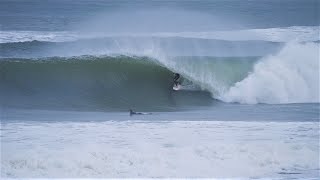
{"x": 176, "y": 79}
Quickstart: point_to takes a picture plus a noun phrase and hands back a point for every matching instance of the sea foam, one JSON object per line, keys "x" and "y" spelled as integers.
{"x": 137, "y": 149}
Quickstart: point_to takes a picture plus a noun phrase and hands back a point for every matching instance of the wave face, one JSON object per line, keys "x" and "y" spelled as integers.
{"x": 93, "y": 83}
{"x": 116, "y": 82}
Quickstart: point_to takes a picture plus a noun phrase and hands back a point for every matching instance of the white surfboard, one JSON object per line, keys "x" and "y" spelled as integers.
{"x": 177, "y": 87}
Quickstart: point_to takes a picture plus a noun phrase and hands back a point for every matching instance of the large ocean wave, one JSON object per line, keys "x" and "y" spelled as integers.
{"x": 107, "y": 71}
{"x": 121, "y": 82}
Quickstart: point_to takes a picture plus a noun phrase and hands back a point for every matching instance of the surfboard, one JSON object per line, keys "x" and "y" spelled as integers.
{"x": 176, "y": 87}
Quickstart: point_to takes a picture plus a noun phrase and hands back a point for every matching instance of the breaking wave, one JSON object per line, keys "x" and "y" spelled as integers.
{"x": 291, "y": 76}
{"x": 120, "y": 82}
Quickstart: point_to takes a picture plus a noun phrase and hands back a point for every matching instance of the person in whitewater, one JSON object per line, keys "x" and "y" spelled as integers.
{"x": 176, "y": 79}
{"x": 131, "y": 112}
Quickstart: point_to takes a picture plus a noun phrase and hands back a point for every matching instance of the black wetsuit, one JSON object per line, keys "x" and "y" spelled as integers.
{"x": 176, "y": 78}
{"x": 131, "y": 112}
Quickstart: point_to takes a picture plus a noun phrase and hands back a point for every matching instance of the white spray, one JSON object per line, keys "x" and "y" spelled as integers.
{"x": 291, "y": 76}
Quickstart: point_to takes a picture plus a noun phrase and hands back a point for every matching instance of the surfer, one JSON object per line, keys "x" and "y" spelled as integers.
{"x": 132, "y": 112}
{"x": 176, "y": 78}
{"x": 137, "y": 113}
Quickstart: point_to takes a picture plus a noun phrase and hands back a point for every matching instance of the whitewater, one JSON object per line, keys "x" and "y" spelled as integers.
{"x": 291, "y": 76}
{"x": 135, "y": 149}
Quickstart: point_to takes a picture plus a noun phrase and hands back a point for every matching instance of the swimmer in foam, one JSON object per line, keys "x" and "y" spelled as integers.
{"x": 137, "y": 113}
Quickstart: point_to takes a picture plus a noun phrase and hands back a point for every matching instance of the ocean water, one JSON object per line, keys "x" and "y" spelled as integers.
{"x": 71, "y": 70}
